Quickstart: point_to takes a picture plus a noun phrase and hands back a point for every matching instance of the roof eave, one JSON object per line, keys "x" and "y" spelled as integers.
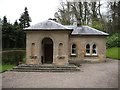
{"x": 89, "y": 35}
{"x": 25, "y": 30}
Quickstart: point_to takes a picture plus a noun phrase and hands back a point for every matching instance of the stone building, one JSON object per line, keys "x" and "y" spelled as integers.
{"x": 49, "y": 42}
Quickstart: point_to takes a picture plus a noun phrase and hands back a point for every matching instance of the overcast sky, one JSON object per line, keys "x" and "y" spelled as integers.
{"x": 39, "y": 10}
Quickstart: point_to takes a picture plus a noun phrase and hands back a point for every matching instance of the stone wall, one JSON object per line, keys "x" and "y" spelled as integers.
{"x": 62, "y": 47}
{"x": 57, "y": 37}
{"x": 81, "y": 42}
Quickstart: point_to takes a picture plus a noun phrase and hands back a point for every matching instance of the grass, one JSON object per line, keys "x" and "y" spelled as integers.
{"x": 6, "y": 67}
{"x": 113, "y": 53}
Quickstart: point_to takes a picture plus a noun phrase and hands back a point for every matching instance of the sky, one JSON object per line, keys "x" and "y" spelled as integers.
{"x": 39, "y": 10}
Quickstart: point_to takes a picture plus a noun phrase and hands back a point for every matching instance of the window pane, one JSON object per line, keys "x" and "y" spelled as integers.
{"x": 87, "y": 46}
{"x": 94, "y": 49}
{"x": 94, "y": 46}
{"x": 73, "y": 49}
{"x": 87, "y": 49}
{"x": 73, "y": 46}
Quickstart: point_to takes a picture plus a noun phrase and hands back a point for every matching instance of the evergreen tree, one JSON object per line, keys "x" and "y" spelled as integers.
{"x": 7, "y": 34}
{"x": 19, "y": 35}
{"x": 24, "y": 23}
{"x": 4, "y": 29}
{"x": 4, "y": 20}
{"x": 0, "y": 34}
{"x": 25, "y": 19}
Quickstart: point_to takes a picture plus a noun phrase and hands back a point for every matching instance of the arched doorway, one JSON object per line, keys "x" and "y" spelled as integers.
{"x": 47, "y": 50}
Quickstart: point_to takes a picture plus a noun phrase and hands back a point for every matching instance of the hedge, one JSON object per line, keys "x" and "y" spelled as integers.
{"x": 13, "y": 56}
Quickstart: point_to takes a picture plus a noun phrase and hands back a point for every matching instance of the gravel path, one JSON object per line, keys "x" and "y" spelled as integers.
{"x": 95, "y": 75}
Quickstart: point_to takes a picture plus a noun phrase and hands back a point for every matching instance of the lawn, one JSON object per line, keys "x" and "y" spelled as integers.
{"x": 6, "y": 67}
{"x": 113, "y": 53}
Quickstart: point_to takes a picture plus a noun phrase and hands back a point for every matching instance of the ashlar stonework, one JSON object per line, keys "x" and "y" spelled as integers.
{"x": 49, "y": 42}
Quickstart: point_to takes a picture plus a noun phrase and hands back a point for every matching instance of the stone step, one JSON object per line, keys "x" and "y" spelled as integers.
{"x": 48, "y": 66}
{"x": 42, "y": 68}
{"x": 45, "y": 68}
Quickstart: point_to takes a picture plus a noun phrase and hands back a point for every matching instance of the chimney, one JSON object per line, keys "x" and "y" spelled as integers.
{"x": 52, "y": 19}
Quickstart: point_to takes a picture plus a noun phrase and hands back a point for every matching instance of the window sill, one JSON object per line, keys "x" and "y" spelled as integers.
{"x": 87, "y": 54}
{"x": 73, "y": 55}
{"x": 94, "y": 55}
{"x": 91, "y": 55}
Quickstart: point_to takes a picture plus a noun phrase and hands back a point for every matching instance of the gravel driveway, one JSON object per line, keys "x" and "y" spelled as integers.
{"x": 92, "y": 75}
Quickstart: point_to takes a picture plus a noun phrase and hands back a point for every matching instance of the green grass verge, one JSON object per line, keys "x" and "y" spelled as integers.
{"x": 6, "y": 67}
{"x": 113, "y": 53}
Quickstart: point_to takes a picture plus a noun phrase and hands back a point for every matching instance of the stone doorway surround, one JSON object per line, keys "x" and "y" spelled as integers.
{"x": 47, "y": 50}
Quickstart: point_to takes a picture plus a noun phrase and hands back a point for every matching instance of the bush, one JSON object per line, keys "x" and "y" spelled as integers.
{"x": 13, "y": 56}
{"x": 113, "y": 41}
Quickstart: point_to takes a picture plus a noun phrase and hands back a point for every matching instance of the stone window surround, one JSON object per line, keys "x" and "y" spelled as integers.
{"x": 75, "y": 48}
{"x": 91, "y": 50}
{"x": 95, "y": 49}
{"x": 87, "y": 49}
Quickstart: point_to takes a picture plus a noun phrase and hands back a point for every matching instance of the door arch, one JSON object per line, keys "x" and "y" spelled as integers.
{"x": 47, "y": 50}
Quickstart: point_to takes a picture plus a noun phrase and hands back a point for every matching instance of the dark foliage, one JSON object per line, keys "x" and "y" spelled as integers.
{"x": 113, "y": 41}
{"x": 13, "y": 35}
{"x": 25, "y": 19}
{"x": 13, "y": 57}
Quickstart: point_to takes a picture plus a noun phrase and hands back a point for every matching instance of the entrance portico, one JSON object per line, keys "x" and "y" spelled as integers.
{"x": 49, "y": 42}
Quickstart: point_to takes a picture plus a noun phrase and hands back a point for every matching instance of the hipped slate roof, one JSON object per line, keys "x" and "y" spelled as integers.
{"x": 52, "y": 25}
{"x": 86, "y": 30}
{"x": 47, "y": 25}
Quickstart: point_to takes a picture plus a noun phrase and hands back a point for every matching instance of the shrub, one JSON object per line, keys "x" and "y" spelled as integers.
{"x": 13, "y": 56}
{"x": 113, "y": 41}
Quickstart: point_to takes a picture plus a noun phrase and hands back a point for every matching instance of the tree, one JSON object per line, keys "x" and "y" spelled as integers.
{"x": 25, "y": 19}
{"x": 82, "y": 12}
{"x": 0, "y": 26}
{"x": 113, "y": 16}
{"x": 20, "y": 35}
{"x": 7, "y": 34}
{"x": 12, "y": 34}
{"x": 4, "y": 20}
{"x": 0, "y": 34}
{"x": 63, "y": 14}
{"x": 24, "y": 23}
{"x": 118, "y": 16}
